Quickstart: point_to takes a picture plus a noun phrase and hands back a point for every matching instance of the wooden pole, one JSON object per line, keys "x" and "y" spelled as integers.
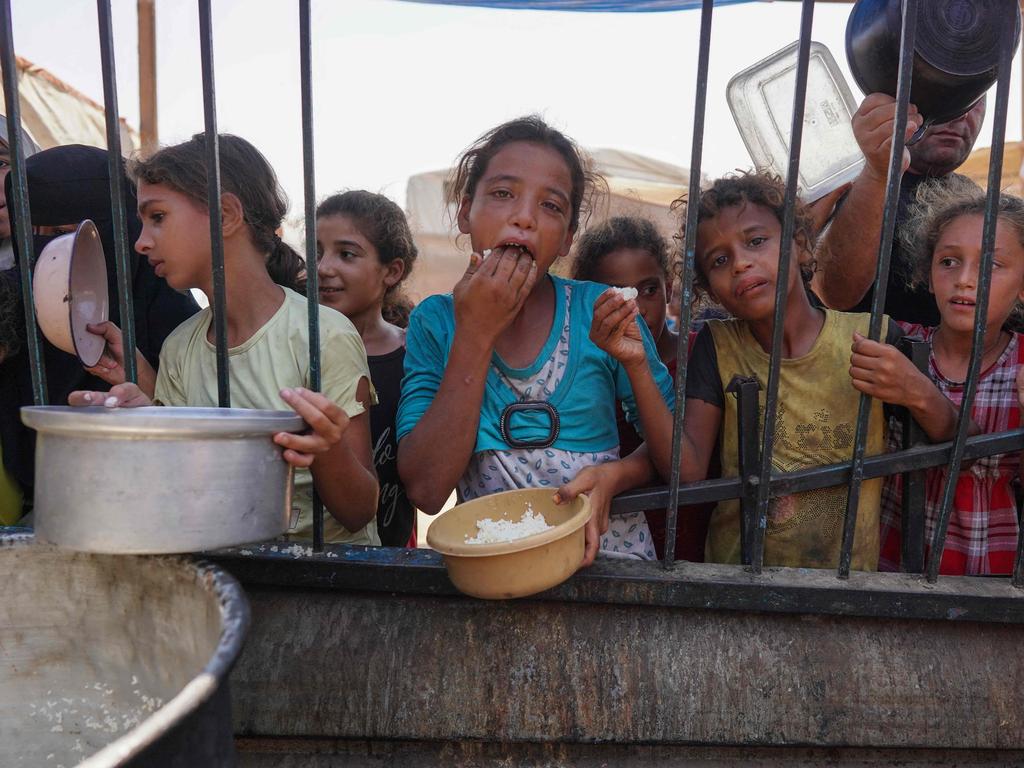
{"x": 147, "y": 76}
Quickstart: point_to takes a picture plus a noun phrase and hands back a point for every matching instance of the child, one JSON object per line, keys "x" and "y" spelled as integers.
{"x": 944, "y": 235}
{"x": 267, "y": 329}
{"x": 514, "y": 334}
{"x": 629, "y": 252}
{"x": 364, "y": 252}
{"x": 736, "y": 262}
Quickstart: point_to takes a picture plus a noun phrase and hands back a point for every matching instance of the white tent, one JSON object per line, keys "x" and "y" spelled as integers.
{"x": 638, "y": 185}
{"x": 54, "y": 113}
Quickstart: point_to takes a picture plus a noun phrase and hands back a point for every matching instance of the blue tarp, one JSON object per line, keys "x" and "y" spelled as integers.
{"x": 606, "y": 6}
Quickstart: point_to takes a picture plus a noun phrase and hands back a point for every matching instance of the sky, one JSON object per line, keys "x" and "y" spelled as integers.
{"x": 400, "y": 88}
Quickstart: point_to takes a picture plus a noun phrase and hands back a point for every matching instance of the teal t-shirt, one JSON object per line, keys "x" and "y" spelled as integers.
{"x": 585, "y": 398}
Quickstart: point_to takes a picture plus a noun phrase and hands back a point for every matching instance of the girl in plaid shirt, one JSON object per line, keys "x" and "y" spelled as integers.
{"x": 944, "y": 234}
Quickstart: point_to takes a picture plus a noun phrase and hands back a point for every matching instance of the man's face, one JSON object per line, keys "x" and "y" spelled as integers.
{"x": 5, "y": 167}
{"x": 945, "y": 146}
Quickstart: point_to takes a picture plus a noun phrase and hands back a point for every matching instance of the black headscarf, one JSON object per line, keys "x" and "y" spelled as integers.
{"x": 66, "y": 185}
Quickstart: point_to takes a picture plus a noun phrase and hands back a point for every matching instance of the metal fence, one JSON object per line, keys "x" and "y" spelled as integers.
{"x": 757, "y": 483}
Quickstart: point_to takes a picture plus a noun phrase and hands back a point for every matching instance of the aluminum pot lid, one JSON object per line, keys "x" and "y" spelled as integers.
{"x": 156, "y": 421}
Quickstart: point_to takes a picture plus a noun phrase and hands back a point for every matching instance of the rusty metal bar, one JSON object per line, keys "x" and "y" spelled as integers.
{"x": 892, "y": 192}
{"x": 826, "y": 476}
{"x": 312, "y": 291}
{"x": 148, "y": 129}
{"x": 119, "y": 219}
{"x": 913, "y": 499}
{"x": 781, "y": 286}
{"x": 686, "y": 288}
{"x": 22, "y": 230}
{"x": 988, "y": 241}
{"x": 747, "y": 407}
{"x": 219, "y": 303}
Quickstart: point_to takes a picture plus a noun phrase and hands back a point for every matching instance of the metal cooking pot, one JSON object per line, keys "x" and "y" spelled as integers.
{"x": 956, "y": 51}
{"x": 159, "y": 480}
{"x": 115, "y": 661}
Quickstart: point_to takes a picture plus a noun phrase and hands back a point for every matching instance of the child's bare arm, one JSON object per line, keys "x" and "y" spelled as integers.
{"x": 882, "y": 371}
{"x": 602, "y": 483}
{"x": 435, "y": 454}
{"x": 110, "y": 366}
{"x": 338, "y": 453}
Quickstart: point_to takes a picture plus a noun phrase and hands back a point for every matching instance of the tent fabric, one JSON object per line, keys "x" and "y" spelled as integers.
{"x": 55, "y": 114}
{"x": 602, "y": 6}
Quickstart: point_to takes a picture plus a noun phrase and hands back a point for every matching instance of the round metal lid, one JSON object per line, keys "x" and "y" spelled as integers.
{"x": 159, "y": 421}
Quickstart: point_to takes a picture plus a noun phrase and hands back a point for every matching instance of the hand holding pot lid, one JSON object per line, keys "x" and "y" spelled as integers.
{"x": 70, "y": 292}
{"x": 956, "y": 51}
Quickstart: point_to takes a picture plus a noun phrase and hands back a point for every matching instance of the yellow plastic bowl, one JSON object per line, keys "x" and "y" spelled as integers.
{"x": 511, "y": 568}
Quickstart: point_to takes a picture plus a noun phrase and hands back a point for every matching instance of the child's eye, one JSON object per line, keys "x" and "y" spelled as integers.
{"x": 501, "y": 194}
{"x": 649, "y": 290}
{"x": 347, "y": 255}
{"x": 551, "y": 205}
{"x": 758, "y": 240}
{"x": 156, "y": 218}
{"x": 718, "y": 259}
{"x": 947, "y": 261}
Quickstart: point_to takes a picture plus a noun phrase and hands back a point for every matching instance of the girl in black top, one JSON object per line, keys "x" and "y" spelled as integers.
{"x": 364, "y": 252}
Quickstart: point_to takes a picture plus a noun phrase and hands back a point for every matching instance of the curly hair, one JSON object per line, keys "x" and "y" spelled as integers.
{"x": 759, "y": 188}
{"x": 383, "y": 223}
{"x": 614, "y": 234}
{"x": 531, "y": 129}
{"x": 936, "y": 204}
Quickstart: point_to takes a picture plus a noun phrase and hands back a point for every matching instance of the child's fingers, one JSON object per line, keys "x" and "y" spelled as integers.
{"x": 310, "y": 445}
{"x": 84, "y": 398}
{"x": 298, "y": 459}
{"x": 592, "y": 542}
{"x": 615, "y": 317}
{"x": 322, "y": 414}
{"x": 524, "y": 264}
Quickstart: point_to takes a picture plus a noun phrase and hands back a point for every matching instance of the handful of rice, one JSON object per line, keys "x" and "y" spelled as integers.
{"x": 495, "y": 531}
{"x": 627, "y": 293}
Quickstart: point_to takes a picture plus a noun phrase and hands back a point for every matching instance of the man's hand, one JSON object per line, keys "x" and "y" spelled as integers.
{"x": 873, "y": 125}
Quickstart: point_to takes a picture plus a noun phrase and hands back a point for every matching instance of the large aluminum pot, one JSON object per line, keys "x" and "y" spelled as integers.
{"x": 159, "y": 480}
{"x": 115, "y": 661}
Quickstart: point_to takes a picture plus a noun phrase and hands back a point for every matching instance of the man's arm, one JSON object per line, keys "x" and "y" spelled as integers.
{"x": 848, "y": 251}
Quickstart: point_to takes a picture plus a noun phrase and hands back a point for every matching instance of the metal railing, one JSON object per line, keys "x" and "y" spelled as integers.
{"x": 757, "y": 484}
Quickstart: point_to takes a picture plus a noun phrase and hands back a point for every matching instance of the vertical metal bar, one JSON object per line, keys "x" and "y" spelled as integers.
{"x": 892, "y": 191}
{"x": 988, "y": 239}
{"x": 312, "y": 292}
{"x": 686, "y": 289}
{"x": 781, "y": 285}
{"x": 22, "y": 231}
{"x": 122, "y": 263}
{"x": 912, "y": 507}
{"x": 747, "y": 407}
{"x": 219, "y": 304}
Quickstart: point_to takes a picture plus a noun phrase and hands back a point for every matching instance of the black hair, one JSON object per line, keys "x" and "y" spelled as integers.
{"x": 614, "y": 234}
{"x": 383, "y": 223}
{"x": 759, "y": 188}
{"x": 531, "y": 129}
{"x": 244, "y": 173}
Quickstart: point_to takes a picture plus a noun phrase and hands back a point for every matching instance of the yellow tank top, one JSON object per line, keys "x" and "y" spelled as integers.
{"x": 817, "y": 416}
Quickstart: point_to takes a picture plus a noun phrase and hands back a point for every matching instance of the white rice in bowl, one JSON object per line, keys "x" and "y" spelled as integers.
{"x": 496, "y": 531}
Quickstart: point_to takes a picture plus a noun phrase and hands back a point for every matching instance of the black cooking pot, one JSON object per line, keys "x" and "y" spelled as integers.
{"x": 956, "y": 51}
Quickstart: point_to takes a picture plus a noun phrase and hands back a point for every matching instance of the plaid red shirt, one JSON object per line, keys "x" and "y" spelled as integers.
{"x": 982, "y": 534}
